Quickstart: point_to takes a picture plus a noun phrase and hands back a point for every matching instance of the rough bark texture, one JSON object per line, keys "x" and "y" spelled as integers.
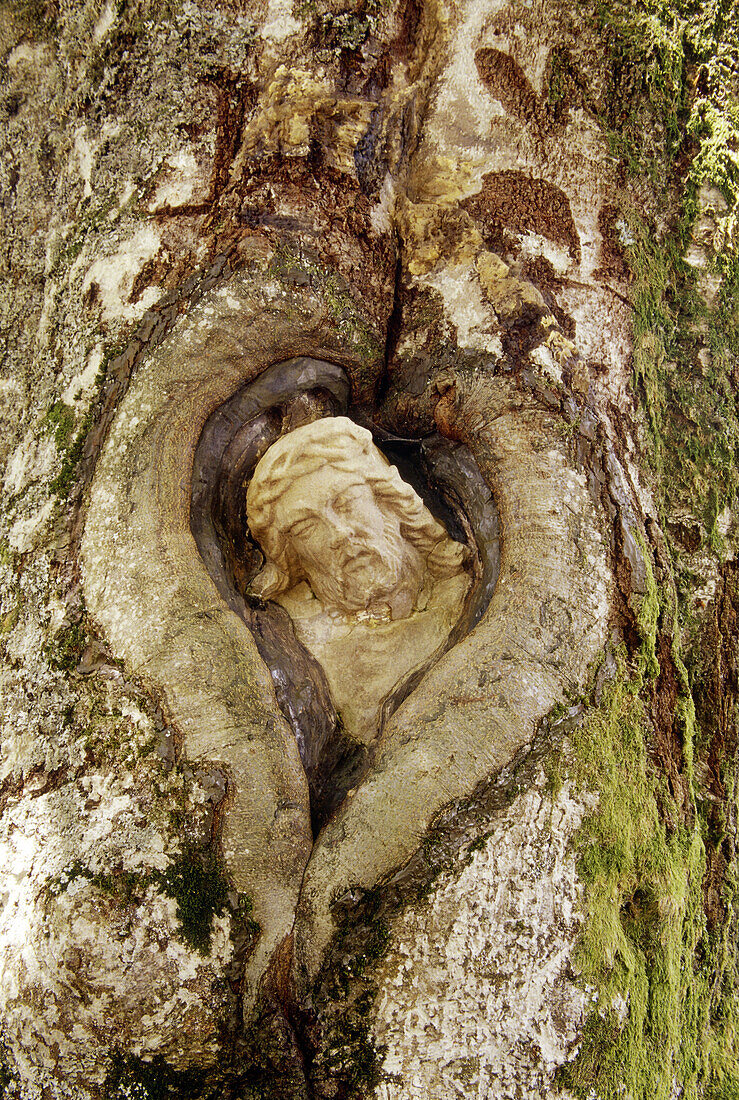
{"x": 513, "y": 226}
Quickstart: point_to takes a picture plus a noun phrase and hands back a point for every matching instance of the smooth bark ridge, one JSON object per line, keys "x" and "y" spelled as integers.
{"x": 147, "y": 588}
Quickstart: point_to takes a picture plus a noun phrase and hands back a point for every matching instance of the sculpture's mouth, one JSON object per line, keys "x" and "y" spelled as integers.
{"x": 233, "y": 440}
{"x": 368, "y": 575}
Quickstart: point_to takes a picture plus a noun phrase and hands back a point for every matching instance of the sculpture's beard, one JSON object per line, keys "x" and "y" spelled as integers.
{"x": 368, "y": 577}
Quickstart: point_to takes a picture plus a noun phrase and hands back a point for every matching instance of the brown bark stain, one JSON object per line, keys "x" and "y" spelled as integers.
{"x": 235, "y": 97}
{"x": 546, "y": 116}
{"x": 612, "y": 262}
{"x": 298, "y": 200}
{"x": 511, "y": 200}
{"x": 591, "y": 449}
{"x": 505, "y": 78}
{"x": 367, "y": 68}
{"x": 666, "y": 743}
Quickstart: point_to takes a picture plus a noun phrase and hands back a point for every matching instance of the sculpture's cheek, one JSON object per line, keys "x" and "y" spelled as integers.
{"x": 319, "y": 548}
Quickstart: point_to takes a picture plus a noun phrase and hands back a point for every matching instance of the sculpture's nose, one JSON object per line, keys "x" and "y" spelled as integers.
{"x": 341, "y": 531}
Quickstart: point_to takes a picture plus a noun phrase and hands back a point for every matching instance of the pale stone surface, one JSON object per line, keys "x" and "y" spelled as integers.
{"x": 364, "y": 656}
{"x": 384, "y": 582}
{"x": 477, "y": 994}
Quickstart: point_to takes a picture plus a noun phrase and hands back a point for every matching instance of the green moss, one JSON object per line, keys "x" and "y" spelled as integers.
{"x": 195, "y": 879}
{"x": 197, "y": 882}
{"x": 93, "y": 213}
{"x": 646, "y": 100}
{"x": 124, "y": 887}
{"x": 9, "y": 619}
{"x": 38, "y": 17}
{"x": 65, "y": 479}
{"x": 664, "y": 984}
{"x": 661, "y": 52}
{"x": 344, "y": 993}
{"x": 647, "y": 618}
{"x": 59, "y": 421}
{"x": 342, "y": 31}
{"x": 351, "y": 1056}
{"x": 689, "y": 402}
{"x": 268, "y": 1066}
{"x": 112, "y": 352}
{"x": 664, "y": 1007}
{"x": 348, "y": 30}
{"x": 557, "y": 78}
{"x": 554, "y": 781}
{"x": 643, "y": 885}
{"x": 65, "y": 649}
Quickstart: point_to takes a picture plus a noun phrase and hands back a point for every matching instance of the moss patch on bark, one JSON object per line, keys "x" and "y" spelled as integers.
{"x": 664, "y": 1002}
{"x": 661, "y": 965}
{"x": 674, "y": 72}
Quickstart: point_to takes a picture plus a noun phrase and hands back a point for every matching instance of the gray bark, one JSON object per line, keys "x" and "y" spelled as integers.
{"x": 424, "y": 197}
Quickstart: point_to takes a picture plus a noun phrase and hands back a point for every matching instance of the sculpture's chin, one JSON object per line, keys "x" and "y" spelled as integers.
{"x": 373, "y": 581}
{"x": 371, "y": 590}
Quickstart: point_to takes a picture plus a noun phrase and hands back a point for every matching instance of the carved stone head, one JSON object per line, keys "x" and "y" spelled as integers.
{"x": 328, "y": 508}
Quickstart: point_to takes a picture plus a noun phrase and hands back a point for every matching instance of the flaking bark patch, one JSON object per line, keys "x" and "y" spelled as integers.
{"x": 510, "y": 200}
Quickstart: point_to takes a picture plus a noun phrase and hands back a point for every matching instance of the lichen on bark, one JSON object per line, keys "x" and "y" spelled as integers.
{"x": 466, "y": 206}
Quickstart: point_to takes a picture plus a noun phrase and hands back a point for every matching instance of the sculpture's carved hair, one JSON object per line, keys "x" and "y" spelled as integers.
{"x": 345, "y": 446}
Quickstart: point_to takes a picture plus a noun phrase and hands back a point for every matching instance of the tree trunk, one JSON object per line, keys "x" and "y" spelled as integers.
{"x": 502, "y": 237}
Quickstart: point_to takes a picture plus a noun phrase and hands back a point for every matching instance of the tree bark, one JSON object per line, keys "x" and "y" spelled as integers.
{"x": 502, "y": 236}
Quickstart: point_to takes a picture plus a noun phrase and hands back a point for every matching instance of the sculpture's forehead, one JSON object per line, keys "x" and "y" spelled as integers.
{"x": 331, "y": 440}
{"x": 310, "y": 493}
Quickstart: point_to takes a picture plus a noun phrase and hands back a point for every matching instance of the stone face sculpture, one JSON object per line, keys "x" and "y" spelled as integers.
{"x": 371, "y": 580}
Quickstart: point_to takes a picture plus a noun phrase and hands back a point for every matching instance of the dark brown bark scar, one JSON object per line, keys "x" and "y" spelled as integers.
{"x": 511, "y": 200}
{"x": 507, "y": 81}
